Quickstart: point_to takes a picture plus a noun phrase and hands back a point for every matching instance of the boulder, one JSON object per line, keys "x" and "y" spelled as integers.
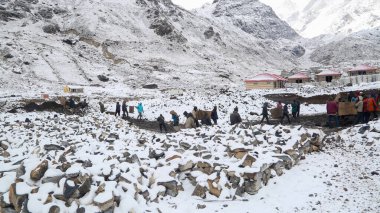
{"x": 150, "y": 86}
{"x": 200, "y": 191}
{"x": 51, "y": 29}
{"x": 214, "y": 190}
{"x": 37, "y": 173}
{"x": 209, "y": 33}
{"x": 50, "y": 147}
{"x": 103, "y": 78}
{"x": 171, "y": 187}
{"x": 248, "y": 161}
{"x": 69, "y": 189}
{"x": 104, "y": 201}
{"x": 188, "y": 166}
{"x": 161, "y": 27}
{"x": 298, "y": 51}
{"x": 54, "y": 209}
{"x": 15, "y": 199}
{"x": 363, "y": 129}
{"x": 46, "y": 13}
{"x": 205, "y": 167}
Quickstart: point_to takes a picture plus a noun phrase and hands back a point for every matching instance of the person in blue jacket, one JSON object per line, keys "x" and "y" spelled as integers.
{"x": 175, "y": 118}
{"x": 140, "y": 110}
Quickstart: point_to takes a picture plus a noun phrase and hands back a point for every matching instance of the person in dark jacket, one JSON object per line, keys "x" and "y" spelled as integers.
{"x": 161, "y": 123}
{"x": 71, "y": 103}
{"x": 214, "y": 115}
{"x": 102, "y": 109}
{"x": 265, "y": 113}
{"x": 235, "y": 117}
{"x": 124, "y": 108}
{"x": 117, "y": 112}
{"x": 294, "y": 109}
{"x": 285, "y": 113}
{"x": 298, "y": 109}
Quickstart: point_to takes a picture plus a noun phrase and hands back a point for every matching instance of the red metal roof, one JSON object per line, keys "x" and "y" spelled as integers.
{"x": 266, "y": 77}
{"x": 299, "y": 76}
{"x": 362, "y": 68}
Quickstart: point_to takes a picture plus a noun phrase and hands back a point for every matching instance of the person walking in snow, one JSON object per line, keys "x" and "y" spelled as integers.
{"x": 194, "y": 113}
{"x": 214, "y": 115}
{"x": 71, "y": 103}
{"x": 140, "y": 110}
{"x": 332, "y": 112}
{"x": 235, "y": 117}
{"x": 175, "y": 118}
{"x": 161, "y": 123}
{"x": 285, "y": 113}
{"x": 124, "y": 108}
{"x": 298, "y": 108}
{"x": 102, "y": 109}
{"x": 190, "y": 121}
{"x": 366, "y": 113}
{"x": 372, "y": 107}
{"x": 279, "y": 105}
{"x": 359, "y": 109}
{"x": 265, "y": 113}
{"x": 117, "y": 112}
{"x": 294, "y": 109}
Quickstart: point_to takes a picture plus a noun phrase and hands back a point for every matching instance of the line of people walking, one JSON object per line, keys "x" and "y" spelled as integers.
{"x": 284, "y": 109}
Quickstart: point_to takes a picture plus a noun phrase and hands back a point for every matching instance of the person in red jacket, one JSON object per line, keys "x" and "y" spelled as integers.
{"x": 332, "y": 112}
{"x": 372, "y": 106}
{"x": 366, "y": 113}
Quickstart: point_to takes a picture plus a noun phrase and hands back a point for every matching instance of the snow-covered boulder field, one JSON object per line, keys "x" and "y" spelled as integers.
{"x": 99, "y": 163}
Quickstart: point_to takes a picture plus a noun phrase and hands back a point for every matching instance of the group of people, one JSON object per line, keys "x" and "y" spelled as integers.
{"x": 192, "y": 119}
{"x": 296, "y": 106}
{"x": 124, "y": 108}
{"x": 365, "y": 105}
{"x": 75, "y": 106}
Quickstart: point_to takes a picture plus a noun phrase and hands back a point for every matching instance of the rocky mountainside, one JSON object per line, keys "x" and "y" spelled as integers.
{"x": 360, "y": 47}
{"x": 131, "y": 43}
{"x": 312, "y": 18}
{"x": 251, "y": 16}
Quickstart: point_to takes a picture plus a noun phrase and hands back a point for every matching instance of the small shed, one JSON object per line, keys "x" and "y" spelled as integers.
{"x": 328, "y": 76}
{"x": 362, "y": 70}
{"x": 265, "y": 81}
{"x": 299, "y": 78}
{"x": 72, "y": 89}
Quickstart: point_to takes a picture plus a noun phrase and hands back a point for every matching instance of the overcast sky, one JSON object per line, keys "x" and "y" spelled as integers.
{"x": 191, "y": 4}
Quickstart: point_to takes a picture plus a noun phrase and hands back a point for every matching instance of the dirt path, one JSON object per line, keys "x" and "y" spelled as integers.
{"x": 150, "y": 125}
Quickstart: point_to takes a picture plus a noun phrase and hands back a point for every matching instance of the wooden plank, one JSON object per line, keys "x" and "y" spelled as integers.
{"x": 347, "y": 108}
{"x": 276, "y": 113}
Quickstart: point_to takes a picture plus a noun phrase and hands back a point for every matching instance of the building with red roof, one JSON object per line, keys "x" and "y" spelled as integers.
{"x": 328, "y": 76}
{"x": 265, "y": 81}
{"x": 362, "y": 70}
{"x": 300, "y": 77}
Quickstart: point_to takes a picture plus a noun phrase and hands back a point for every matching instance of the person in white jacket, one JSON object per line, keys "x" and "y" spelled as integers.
{"x": 359, "y": 109}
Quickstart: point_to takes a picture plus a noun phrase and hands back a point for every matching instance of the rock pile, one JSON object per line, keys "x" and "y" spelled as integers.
{"x": 99, "y": 163}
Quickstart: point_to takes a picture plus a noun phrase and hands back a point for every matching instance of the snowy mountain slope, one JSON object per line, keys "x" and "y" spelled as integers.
{"x": 357, "y": 48}
{"x": 311, "y": 18}
{"x": 46, "y": 43}
{"x": 251, "y": 16}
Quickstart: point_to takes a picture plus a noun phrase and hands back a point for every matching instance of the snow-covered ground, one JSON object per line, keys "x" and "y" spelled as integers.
{"x": 120, "y": 165}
